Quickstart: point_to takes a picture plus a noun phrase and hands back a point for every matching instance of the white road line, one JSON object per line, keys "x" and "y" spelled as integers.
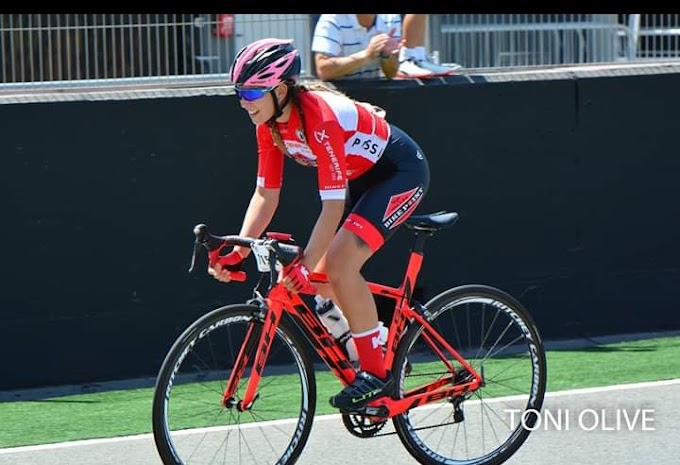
{"x": 335, "y": 416}
{"x": 614, "y": 387}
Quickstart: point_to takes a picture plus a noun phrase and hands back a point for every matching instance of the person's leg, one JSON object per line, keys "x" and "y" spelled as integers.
{"x": 413, "y": 58}
{"x": 386, "y": 196}
{"x": 332, "y": 315}
{"x": 414, "y": 27}
{"x": 413, "y": 51}
{"x": 346, "y": 256}
{"x": 322, "y": 289}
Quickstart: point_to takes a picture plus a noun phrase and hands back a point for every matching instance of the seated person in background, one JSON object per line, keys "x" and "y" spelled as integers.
{"x": 413, "y": 61}
{"x": 350, "y": 46}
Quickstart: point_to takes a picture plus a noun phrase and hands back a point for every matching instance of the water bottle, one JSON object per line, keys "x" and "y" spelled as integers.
{"x": 382, "y": 337}
{"x": 336, "y": 324}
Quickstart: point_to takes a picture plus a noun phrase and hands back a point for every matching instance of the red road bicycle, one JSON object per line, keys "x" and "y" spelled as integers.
{"x": 239, "y": 384}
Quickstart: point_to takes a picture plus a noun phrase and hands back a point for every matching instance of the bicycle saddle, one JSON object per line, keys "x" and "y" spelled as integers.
{"x": 432, "y": 222}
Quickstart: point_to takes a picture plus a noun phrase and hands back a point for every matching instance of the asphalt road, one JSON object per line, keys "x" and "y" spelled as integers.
{"x": 622, "y": 425}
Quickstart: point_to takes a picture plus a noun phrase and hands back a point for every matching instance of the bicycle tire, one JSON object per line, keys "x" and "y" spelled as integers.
{"x": 511, "y": 358}
{"x": 190, "y": 424}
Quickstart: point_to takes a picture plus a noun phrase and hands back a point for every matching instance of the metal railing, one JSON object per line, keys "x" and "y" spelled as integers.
{"x": 492, "y": 41}
{"x": 100, "y": 49}
{"x": 68, "y": 48}
{"x": 656, "y": 36}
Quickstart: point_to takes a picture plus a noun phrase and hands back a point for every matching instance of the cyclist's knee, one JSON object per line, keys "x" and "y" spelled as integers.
{"x": 341, "y": 263}
{"x": 337, "y": 267}
{"x": 346, "y": 255}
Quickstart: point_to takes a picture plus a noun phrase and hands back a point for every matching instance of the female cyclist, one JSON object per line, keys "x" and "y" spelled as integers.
{"x": 370, "y": 173}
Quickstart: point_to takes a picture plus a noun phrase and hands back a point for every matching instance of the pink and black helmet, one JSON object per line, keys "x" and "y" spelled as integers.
{"x": 266, "y": 63}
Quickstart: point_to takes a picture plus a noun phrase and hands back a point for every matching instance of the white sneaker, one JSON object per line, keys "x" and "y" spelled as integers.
{"x": 410, "y": 69}
{"x": 439, "y": 70}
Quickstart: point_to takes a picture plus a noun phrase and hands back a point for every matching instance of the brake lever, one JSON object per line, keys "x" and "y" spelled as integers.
{"x": 199, "y": 232}
{"x": 192, "y": 267}
{"x": 212, "y": 245}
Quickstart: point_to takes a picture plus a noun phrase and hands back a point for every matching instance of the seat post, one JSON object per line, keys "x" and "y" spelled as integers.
{"x": 421, "y": 238}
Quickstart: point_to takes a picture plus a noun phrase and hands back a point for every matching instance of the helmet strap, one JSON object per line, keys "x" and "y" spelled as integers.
{"x": 278, "y": 108}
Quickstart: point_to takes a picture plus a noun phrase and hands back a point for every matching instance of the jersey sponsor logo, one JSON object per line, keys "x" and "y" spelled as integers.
{"x": 320, "y": 136}
{"x": 301, "y": 153}
{"x": 305, "y": 272}
{"x": 300, "y": 147}
{"x": 366, "y": 145}
{"x": 323, "y": 139}
{"x": 400, "y": 206}
{"x": 332, "y": 187}
{"x": 355, "y": 223}
{"x": 369, "y": 146}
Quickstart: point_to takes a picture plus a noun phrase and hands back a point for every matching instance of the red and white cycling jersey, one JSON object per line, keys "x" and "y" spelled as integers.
{"x": 345, "y": 137}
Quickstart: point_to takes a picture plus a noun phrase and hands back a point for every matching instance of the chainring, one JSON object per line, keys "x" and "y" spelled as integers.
{"x": 361, "y": 425}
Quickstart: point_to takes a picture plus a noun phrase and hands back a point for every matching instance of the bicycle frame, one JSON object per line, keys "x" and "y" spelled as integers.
{"x": 279, "y": 301}
{"x": 254, "y": 353}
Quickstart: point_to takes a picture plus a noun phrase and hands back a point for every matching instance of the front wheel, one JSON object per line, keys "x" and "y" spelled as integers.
{"x": 498, "y": 338}
{"x": 190, "y": 423}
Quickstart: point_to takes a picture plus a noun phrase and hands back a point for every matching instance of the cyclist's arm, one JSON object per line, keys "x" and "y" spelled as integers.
{"x": 259, "y": 214}
{"x": 324, "y": 230}
{"x": 332, "y": 179}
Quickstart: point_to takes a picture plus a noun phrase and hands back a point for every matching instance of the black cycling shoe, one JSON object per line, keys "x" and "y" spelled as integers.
{"x": 365, "y": 388}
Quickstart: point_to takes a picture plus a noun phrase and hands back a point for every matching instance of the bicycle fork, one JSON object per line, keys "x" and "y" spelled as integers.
{"x": 258, "y": 339}
{"x": 256, "y": 346}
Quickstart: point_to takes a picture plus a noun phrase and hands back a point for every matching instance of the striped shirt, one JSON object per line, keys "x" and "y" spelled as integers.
{"x": 342, "y": 138}
{"x": 342, "y": 35}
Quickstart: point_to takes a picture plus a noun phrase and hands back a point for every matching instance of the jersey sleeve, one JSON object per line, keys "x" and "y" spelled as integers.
{"x": 331, "y": 161}
{"x": 326, "y": 37}
{"x": 269, "y": 160}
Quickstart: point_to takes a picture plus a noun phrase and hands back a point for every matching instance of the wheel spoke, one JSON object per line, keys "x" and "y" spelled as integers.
{"x": 501, "y": 345}
{"x": 190, "y": 422}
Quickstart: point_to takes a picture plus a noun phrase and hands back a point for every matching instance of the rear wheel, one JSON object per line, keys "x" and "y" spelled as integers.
{"x": 190, "y": 423}
{"x": 499, "y": 339}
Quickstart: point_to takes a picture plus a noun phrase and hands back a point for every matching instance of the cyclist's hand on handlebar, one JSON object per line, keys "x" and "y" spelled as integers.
{"x": 223, "y": 268}
{"x": 296, "y": 278}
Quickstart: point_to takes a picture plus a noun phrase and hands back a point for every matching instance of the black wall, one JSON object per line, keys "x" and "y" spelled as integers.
{"x": 567, "y": 189}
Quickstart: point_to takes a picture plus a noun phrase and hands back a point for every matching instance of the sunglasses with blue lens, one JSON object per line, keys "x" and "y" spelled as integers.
{"x": 252, "y": 94}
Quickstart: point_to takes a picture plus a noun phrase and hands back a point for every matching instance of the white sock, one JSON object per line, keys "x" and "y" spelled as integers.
{"x": 415, "y": 53}
{"x": 420, "y": 53}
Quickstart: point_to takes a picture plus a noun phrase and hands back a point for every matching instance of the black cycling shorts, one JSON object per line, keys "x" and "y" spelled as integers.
{"x": 383, "y": 197}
